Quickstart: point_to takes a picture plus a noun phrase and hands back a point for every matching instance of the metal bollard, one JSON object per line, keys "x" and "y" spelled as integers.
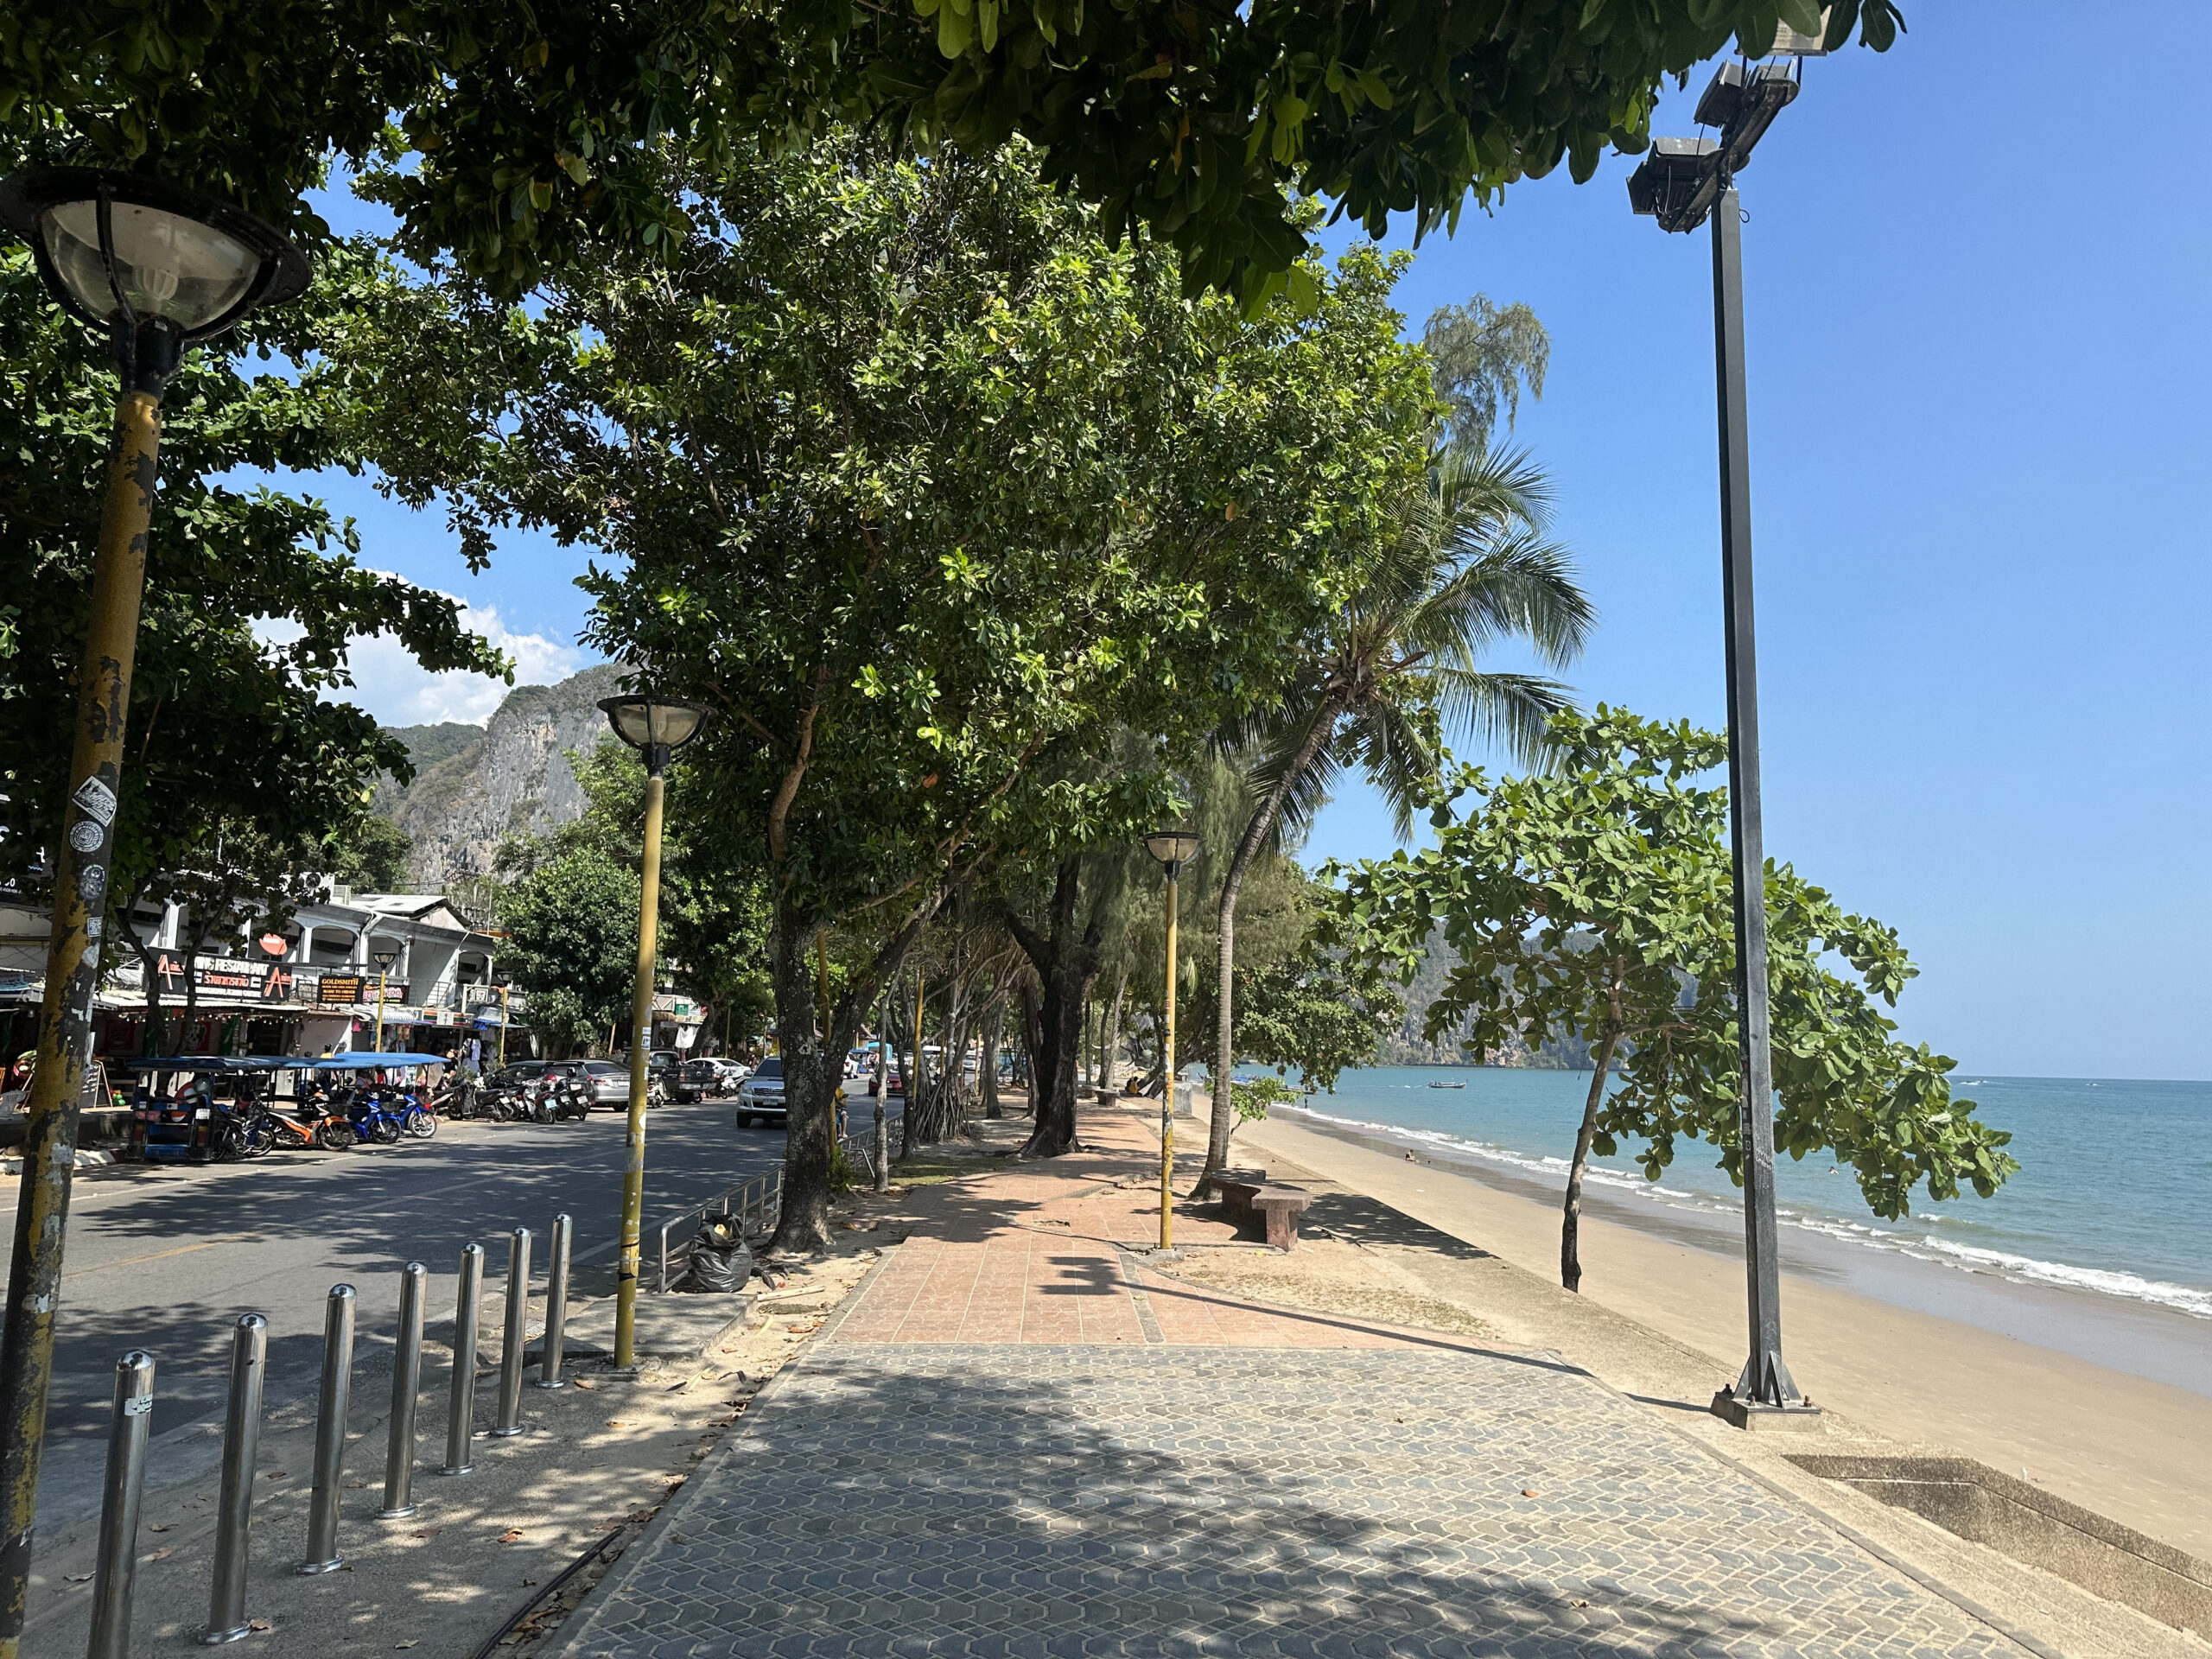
{"x": 406, "y": 1384}
{"x": 460, "y": 1414}
{"x": 330, "y": 1431}
{"x": 556, "y": 1305}
{"x": 226, "y": 1620}
{"x": 882, "y": 1148}
{"x": 509, "y": 1418}
{"x": 126, "y": 1478}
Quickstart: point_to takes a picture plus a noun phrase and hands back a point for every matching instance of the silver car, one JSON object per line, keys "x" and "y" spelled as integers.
{"x": 609, "y": 1084}
{"x": 761, "y": 1097}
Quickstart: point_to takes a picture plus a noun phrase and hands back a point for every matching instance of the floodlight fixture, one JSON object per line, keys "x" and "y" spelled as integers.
{"x": 656, "y": 726}
{"x": 1173, "y": 848}
{"x": 155, "y": 267}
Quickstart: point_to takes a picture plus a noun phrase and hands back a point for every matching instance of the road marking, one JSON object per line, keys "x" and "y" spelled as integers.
{"x": 160, "y": 1255}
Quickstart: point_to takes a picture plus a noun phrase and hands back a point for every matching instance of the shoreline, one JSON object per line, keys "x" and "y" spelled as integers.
{"x": 2085, "y": 1426}
{"x": 2140, "y": 1339}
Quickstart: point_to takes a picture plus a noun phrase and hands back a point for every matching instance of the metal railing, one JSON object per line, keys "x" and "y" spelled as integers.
{"x": 769, "y": 1205}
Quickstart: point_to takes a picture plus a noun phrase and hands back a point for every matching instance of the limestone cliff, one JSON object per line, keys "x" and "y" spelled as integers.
{"x": 473, "y": 788}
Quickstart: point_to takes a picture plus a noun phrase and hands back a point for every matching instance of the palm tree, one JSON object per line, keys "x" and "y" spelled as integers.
{"x": 1399, "y": 666}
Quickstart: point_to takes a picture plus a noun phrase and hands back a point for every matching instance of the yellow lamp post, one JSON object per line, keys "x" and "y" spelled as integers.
{"x": 383, "y": 959}
{"x": 1174, "y": 849}
{"x": 501, "y": 1058}
{"x": 153, "y": 270}
{"x": 655, "y": 727}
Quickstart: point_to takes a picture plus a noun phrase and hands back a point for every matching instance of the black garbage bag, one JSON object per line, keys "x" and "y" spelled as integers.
{"x": 722, "y": 1262}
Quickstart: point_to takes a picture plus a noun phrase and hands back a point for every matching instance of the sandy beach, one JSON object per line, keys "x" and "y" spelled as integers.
{"x": 2124, "y": 1439}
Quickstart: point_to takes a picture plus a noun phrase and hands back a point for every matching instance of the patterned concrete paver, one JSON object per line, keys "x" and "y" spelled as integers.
{"x": 1016, "y": 1441}
{"x": 1007, "y": 1499}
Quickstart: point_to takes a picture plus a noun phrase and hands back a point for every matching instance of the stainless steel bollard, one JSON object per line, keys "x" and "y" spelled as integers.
{"x": 126, "y": 1478}
{"x": 461, "y": 1414}
{"x": 331, "y": 1408}
{"x": 226, "y": 1620}
{"x": 556, "y": 1305}
{"x": 406, "y": 1385}
{"x": 509, "y": 1420}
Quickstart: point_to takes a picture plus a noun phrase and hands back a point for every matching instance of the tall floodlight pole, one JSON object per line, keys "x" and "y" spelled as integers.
{"x": 153, "y": 270}
{"x": 655, "y": 727}
{"x": 1174, "y": 849}
{"x": 1683, "y": 182}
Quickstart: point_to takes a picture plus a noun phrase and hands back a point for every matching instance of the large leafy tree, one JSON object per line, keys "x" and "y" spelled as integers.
{"x": 532, "y": 129}
{"x": 921, "y": 487}
{"x": 571, "y": 922}
{"x": 1398, "y": 664}
{"x": 1597, "y": 900}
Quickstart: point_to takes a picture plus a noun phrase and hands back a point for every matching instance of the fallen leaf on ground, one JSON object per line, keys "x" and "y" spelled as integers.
{"x": 430, "y": 1532}
{"x": 401, "y": 1647}
{"x": 81, "y": 1577}
{"x": 258, "y": 1625}
{"x": 276, "y": 1474}
{"x": 616, "y": 1422}
{"x": 1577, "y": 1602}
{"x": 585, "y": 1382}
{"x": 1530, "y": 1492}
{"x": 161, "y": 1554}
{"x": 512, "y": 1535}
{"x": 160, "y": 1526}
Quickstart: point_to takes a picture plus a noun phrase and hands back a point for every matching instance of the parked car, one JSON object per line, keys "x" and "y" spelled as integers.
{"x": 703, "y": 1077}
{"x": 668, "y": 1065}
{"x": 761, "y": 1097}
{"x": 732, "y": 1072}
{"x": 609, "y": 1084}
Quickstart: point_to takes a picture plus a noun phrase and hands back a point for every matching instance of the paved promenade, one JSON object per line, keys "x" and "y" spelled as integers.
{"x": 1015, "y": 1440}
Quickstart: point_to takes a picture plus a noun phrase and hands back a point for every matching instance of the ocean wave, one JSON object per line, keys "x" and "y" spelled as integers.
{"x": 1970, "y": 1258}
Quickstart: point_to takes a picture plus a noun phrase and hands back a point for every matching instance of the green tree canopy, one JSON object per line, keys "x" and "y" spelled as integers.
{"x": 572, "y": 944}
{"x": 533, "y": 130}
{"x": 1597, "y": 900}
{"x": 921, "y": 487}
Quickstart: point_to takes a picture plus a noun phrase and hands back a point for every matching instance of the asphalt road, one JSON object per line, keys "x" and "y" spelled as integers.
{"x": 166, "y": 1257}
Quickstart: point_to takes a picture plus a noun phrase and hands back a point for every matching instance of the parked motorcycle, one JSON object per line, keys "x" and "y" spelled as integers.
{"x": 312, "y": 1122}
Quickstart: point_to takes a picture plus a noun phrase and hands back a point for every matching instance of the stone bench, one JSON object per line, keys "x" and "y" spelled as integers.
{"x": 1279, "y": 1207}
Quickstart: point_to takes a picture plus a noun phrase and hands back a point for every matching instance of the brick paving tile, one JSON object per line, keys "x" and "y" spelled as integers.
{"x": 973, "y": 1499}
{"x": 1016, "y": 1440}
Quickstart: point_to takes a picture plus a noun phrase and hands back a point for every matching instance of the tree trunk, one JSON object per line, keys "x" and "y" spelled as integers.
{"x": 1033, "y": 1040}
{"x": 1570, "y": 1232}
{"x": 1110, "y": 1079}
{"x": 1066, "y": 966}
{"x": 810, "y": 1085}
{"x": 1255, "y": 835}
{"x": 987, "y": 1062}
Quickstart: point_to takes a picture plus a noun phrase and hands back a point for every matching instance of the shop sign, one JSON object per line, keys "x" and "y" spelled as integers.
{"x": 269, "y": 982}
{"x": 341, "y": 988}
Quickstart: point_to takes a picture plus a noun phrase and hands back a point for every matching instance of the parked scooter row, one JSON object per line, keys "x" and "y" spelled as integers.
{"x": 330, "y": 1119}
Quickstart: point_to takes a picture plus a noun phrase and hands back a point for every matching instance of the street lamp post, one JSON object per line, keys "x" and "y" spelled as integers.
{"x": 655, "y": 727}
{"x": 154, "y": 269}
{"x": 383, "y": 959}
{"x": 500, "y": 979}
{"x": 1683, "y": 182}
{"x": 1174, "y": 849}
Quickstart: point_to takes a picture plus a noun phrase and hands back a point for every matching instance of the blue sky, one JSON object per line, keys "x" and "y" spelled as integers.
{"x": 1978, "y": 361}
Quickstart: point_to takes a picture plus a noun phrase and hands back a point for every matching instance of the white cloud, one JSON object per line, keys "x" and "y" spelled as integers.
{"x": 399, "y": 691}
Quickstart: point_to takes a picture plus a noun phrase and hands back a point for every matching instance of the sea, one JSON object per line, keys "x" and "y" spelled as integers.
{"x": 2114, "y": 1197}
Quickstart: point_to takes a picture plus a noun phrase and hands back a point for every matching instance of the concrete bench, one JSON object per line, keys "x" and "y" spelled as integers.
{"x": 1279, "y": 1207}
